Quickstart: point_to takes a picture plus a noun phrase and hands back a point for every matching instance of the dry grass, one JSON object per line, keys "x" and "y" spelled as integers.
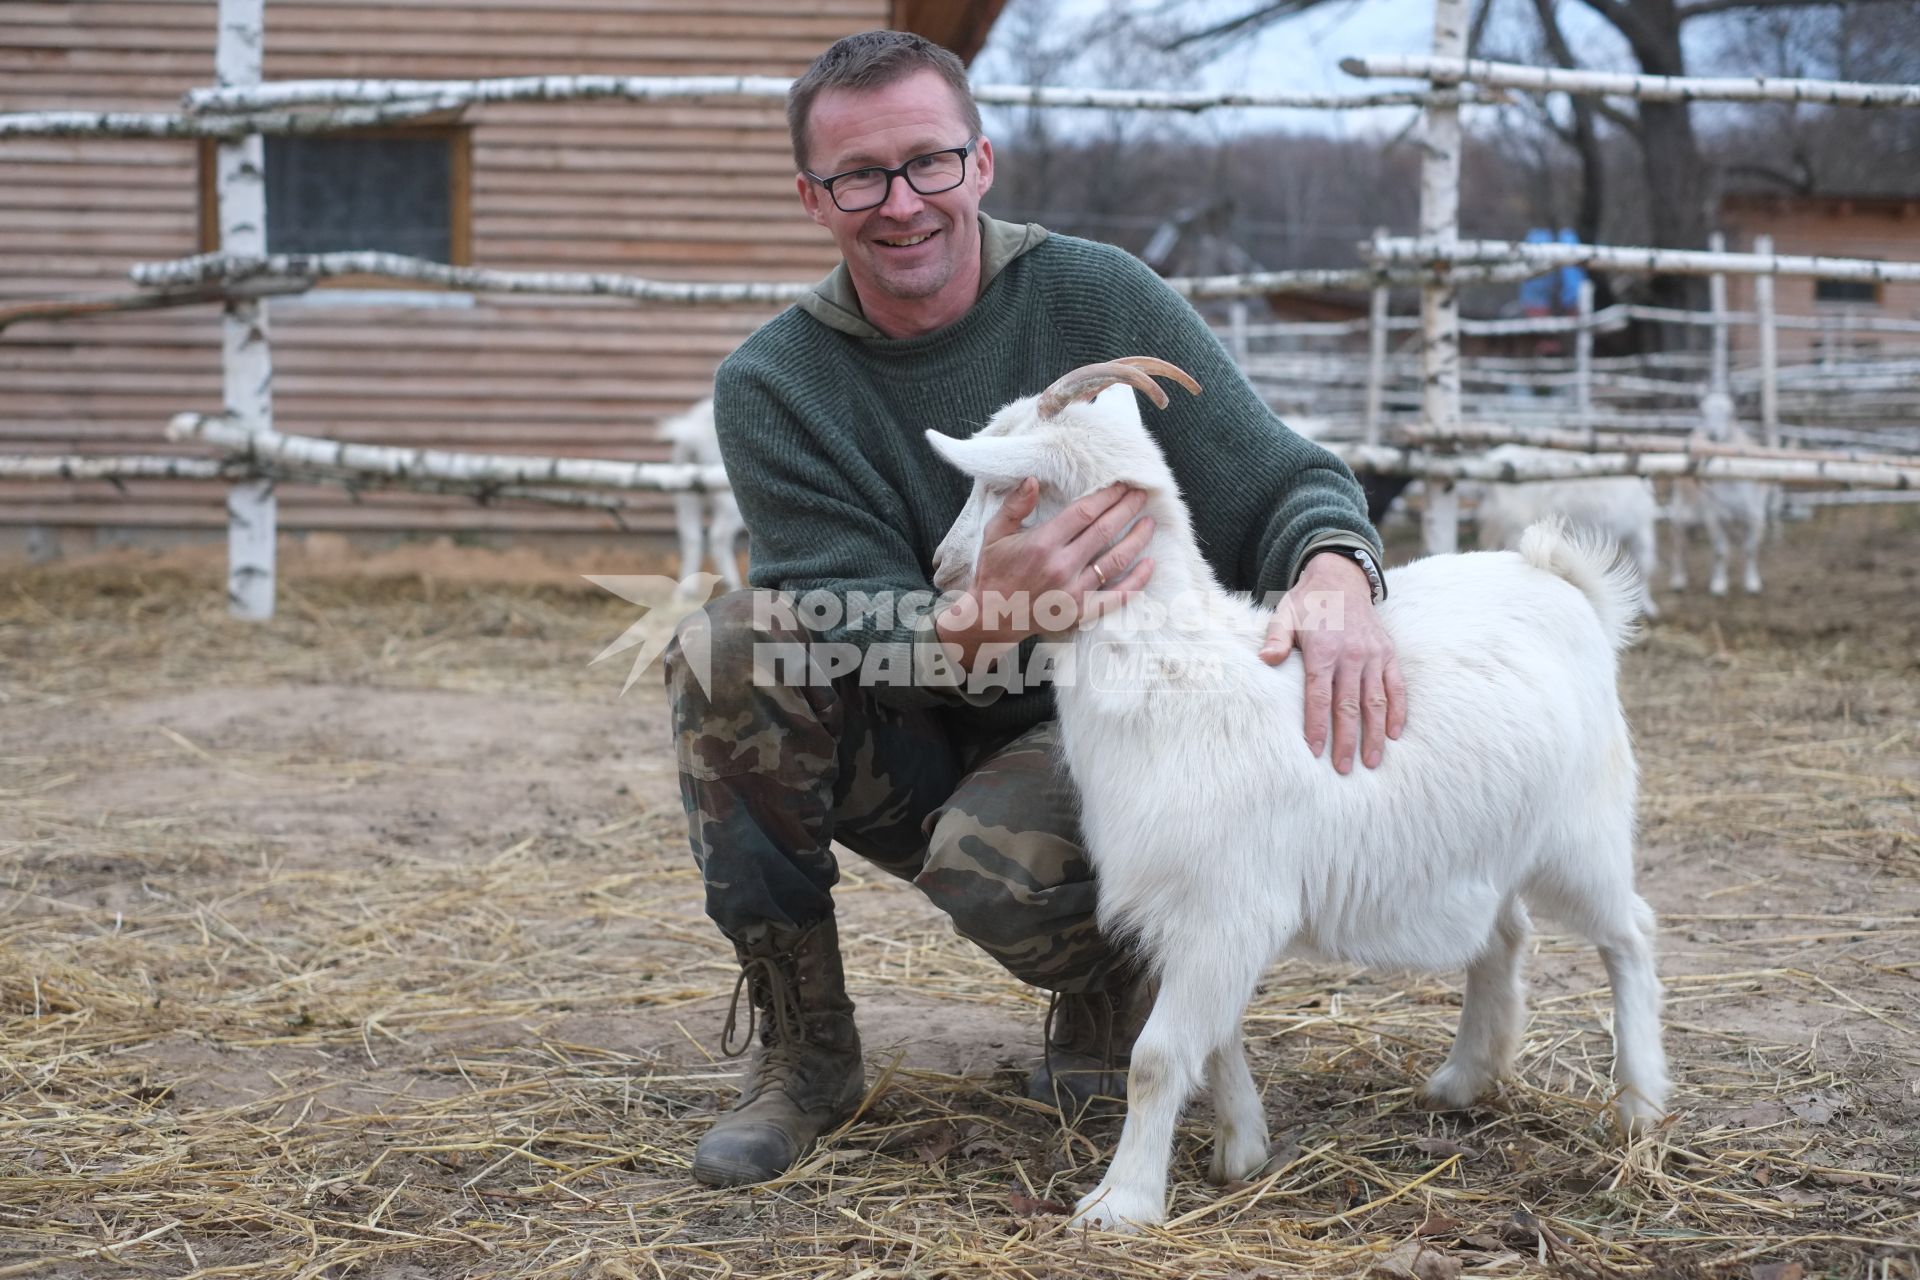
{"x": 364, "y": 943}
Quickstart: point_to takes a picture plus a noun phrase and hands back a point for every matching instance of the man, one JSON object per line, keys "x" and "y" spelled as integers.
{"x": 936, "y": 318}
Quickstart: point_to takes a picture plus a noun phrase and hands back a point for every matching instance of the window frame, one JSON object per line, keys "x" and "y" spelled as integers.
{"x": 1874, "y": 298}
{"x": 459, "y": 140}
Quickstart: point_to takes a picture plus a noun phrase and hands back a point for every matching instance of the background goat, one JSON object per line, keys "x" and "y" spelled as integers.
{"x": 1717, "y": 504}
{"x": 695, "y": 440}
{"x": 1622, "y": 508}
{"x": 1220, "y": 843}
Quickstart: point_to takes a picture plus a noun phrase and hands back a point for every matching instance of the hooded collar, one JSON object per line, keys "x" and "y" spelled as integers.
{"x": 835, "y": 304}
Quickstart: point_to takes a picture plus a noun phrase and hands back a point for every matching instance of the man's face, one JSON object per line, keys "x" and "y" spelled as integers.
{"x": 887, "y": 127}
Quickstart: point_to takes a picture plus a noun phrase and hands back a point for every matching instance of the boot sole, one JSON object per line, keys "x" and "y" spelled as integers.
{"x": 717, "y": 1170}
{"x": 736, "y": 1173}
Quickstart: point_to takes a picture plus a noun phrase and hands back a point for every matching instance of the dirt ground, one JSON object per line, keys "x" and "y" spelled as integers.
{"x": 365, "y": 942}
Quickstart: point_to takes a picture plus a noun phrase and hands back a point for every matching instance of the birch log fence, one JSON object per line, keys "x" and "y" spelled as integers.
{"x": 1453, "y": 69}
{"x": 246, "y": 353}
{"x": 1440, "y": 247}
{"x": 239, "y": 111}
{"x": 264, "y": 445}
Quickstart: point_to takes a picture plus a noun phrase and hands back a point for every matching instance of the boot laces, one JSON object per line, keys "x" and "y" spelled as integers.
{"x": 1054, "y": 1001}
{"x": 783, "y": 1006}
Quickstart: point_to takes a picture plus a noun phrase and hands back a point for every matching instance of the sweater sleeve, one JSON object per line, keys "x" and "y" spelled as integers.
{"x": 824, "y": 531}
{"x": 1261, "y": 496}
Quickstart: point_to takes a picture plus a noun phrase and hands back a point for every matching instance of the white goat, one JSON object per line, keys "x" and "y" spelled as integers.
{"x": 1716, "y": 504}
{"x": 1220, "y": 843}
{"x": 1621, "y": 507}
{"x": 695, "y": 440}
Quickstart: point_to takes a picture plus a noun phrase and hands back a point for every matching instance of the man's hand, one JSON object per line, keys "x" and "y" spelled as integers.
{"x": 1352, "y": 675}
{"x": 1079, "y": 554}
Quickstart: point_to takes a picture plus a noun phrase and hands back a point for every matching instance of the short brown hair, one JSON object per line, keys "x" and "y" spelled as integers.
{"x": 873, "y": 60}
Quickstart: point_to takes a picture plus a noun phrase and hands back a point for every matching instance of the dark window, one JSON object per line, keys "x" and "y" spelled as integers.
{"x": 1846, "y": 291}
{"x": 402, "y": 190}
{"x": 325, "y": 195}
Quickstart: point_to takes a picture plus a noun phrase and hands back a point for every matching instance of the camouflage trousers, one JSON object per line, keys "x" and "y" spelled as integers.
{"x": 773, "y": 771}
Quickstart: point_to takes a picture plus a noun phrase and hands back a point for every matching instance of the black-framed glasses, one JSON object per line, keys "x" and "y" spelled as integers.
{"x": 929, "y": 175}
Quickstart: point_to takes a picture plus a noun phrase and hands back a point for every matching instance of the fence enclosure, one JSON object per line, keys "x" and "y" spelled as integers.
{"x": 1581, "y": 390}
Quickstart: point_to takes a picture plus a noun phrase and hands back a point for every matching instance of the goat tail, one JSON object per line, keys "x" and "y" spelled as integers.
{"x": 1592, "y": 562}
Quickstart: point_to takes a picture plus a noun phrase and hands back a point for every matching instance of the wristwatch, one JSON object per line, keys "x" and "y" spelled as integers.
{"x": 1376, "y": 584}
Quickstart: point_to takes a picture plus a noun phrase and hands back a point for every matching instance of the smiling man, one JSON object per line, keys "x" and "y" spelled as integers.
{"x": 797, "y": 728}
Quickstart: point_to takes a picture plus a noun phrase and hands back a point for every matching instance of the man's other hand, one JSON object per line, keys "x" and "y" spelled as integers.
{"x": 1353, "y": 679}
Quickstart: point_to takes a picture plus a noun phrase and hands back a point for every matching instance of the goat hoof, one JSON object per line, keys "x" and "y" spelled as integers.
{"x": 1106, "y": 1208}
{"x": 1637, "y": 1116}
{"x": 1234, "y": 1161}
{"x": 1454, "y": 1088}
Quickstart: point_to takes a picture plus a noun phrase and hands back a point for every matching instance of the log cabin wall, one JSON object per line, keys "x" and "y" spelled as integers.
{"x": 1836, "y": 227}
{"x": 671, "y": 190}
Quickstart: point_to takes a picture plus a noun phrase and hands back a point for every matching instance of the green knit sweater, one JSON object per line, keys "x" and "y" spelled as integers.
{"x": 820, "y": 419}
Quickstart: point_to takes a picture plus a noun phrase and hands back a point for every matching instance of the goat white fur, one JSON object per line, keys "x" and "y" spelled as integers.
{"x": 696, "y": 440}
{"x": 1623, "y": 508}
{"x": 1716, "y": 504}
{"x": 1220, "y": 843}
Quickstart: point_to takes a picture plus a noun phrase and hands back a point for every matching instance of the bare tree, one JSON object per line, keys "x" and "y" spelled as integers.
{"x": 1679, "y": 183}
{"x": 1081, "y": 169}
{"x": 1796, "y": 148}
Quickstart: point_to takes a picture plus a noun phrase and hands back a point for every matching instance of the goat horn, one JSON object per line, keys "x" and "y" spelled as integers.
{"x": 1090, "y": 380}
{"x": 1160, "y": 368}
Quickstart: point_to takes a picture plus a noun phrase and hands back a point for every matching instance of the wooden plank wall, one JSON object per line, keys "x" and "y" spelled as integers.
{"x": 1834, "y": 227}
{"x": 677, "y": 191}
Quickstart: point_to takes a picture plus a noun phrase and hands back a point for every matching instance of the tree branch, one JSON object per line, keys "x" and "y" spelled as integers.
{"x": 1253, "y": 19}
{"x": 1799, "y": 183}
{"x": 1699, "y": 7}
{"x": 1478, "y": 28}
{"x": 1569, "y": 137}
{"x": 1583, "y": 106}
{"x": 1646, "y": 42}
{"x": 1617, "y": 116}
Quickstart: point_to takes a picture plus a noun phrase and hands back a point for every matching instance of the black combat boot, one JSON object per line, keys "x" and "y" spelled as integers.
{"x": 1089, "y": 1043}
{"x": 807, "y": 1075}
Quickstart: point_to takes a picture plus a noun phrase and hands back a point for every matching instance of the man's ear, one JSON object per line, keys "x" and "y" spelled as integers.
{"x": 983, "y": 165}
{"x": 811, "y": 194}
{"x": 1001, "y": 461}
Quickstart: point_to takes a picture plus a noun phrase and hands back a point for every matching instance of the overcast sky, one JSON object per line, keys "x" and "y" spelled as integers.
{"x": 1300, "y": 54}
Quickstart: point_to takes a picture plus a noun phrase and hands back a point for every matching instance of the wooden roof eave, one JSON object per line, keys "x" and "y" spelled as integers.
{"x": 959, "y": 25}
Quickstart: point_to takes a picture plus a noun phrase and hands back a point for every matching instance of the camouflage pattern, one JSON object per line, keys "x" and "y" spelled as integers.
{"x": 1005, "y": 860}
{"x": 771, "y": 773}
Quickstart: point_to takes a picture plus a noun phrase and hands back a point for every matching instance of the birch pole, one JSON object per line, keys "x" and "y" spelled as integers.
{"x": 1440, "y": 297}
{"x": 581, "y": 88}
{"x": 316, "y": 453}
{"x": 246, "y": 358}
{"x": 1237, "y": 330}
{"x": 1717, "y": 302}
{"x": 1583, "y": 358}
{"x": 1536, "y": 258}
{"x": 1391, "y": 460}
{"x": 1376, "y": 347}
{"x": 148, "y": 124}
{"x": 1769, "y": 350}
{"x": 1452, "y": 72}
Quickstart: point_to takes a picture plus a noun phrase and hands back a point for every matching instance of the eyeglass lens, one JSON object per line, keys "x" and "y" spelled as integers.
{"x": 929, "y": 175}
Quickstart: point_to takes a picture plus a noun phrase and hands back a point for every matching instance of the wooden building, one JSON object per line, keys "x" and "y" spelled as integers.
{"x": 673, "y": 190}
{"x": 1833, "y": 226}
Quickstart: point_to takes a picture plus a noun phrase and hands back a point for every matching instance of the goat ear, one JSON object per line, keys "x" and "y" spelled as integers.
{"x": 1000, "y": 461}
